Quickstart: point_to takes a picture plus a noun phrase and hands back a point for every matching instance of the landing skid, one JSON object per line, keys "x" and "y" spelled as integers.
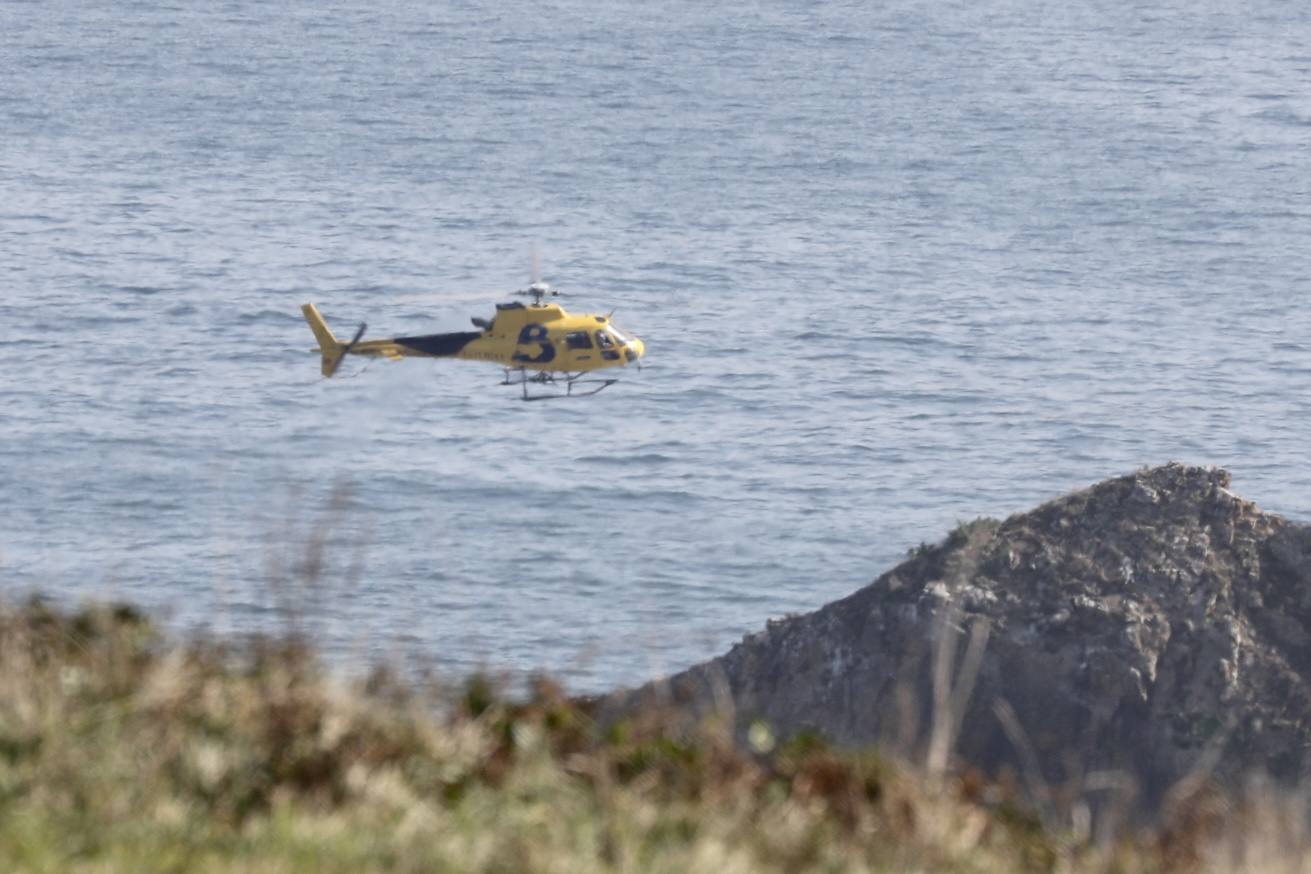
{"x": 519, "y": 376}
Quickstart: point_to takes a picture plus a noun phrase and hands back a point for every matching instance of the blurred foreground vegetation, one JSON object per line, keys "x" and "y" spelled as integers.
{"x": 123, "y": 752}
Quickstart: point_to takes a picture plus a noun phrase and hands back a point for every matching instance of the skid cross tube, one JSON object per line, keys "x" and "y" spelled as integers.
{"x": 544, "y": 377}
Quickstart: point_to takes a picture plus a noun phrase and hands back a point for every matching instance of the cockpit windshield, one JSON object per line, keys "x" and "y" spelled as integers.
{"x": 618, "y": 335}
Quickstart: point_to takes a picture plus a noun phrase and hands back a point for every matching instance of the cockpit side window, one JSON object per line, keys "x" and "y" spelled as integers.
{"x": 578, "y": 340}
{"x": 607, "y": 344}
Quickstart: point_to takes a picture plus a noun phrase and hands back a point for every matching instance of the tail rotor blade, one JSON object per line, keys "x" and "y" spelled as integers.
{"x": 331, "y": 367}
{"x": 358, "y": 334}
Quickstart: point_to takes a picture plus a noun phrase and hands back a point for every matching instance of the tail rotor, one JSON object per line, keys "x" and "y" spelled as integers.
{"x": 332, "y": 350}
{"x": 345, "y": 350}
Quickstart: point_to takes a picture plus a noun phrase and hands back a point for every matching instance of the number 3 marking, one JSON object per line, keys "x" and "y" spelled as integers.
{"x": 535, "y": 332}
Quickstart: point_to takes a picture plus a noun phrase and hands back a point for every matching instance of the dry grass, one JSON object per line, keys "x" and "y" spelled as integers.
{"x": 120, "y": 752}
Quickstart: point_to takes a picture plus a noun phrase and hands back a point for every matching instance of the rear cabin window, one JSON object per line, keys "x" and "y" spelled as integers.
{"x": 578, "y": 340}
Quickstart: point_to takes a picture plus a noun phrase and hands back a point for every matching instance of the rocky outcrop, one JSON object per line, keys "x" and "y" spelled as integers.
{"x": 1154, "y": 626}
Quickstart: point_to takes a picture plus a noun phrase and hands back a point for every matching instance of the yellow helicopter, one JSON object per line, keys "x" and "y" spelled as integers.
{"x": 559, "y": 348}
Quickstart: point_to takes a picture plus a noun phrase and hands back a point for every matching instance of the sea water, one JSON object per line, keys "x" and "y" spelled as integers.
{"x": 897, "y": 265}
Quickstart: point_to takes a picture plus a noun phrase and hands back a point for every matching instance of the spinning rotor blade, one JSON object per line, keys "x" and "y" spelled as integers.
{"x": 345, "y": 350}
{"x": 545, "y": 289}
{"x": 355, "y": 339}
{"x": 537, "y": 288}
{"x": 443, "y": 298}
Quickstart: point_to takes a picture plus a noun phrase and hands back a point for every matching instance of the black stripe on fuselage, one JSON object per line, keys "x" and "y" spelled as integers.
{"x": 439, "y": 344}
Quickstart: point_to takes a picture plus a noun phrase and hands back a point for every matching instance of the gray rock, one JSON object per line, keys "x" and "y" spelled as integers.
{"x": 1154, "y": 625}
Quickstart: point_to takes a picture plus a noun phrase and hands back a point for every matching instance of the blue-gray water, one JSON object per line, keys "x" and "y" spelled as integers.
{"x": 897, "y": 265}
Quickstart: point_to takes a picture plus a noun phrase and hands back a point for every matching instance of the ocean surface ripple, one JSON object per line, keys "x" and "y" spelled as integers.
{"x": 896, "y": 265}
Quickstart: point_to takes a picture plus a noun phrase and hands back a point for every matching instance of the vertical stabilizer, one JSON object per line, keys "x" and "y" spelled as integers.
{"x": 329, "y": 347}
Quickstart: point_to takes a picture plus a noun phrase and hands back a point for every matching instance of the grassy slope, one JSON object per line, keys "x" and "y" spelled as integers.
{"x": 121, "y": 754}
